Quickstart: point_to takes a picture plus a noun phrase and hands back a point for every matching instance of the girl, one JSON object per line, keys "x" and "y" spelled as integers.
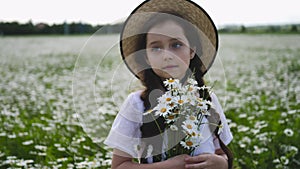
{"x": 161, "y": 40}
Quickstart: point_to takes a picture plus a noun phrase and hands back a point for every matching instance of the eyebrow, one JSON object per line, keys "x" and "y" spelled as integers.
{"x": 177, "y": 39}
{"x": 172, "y": 39}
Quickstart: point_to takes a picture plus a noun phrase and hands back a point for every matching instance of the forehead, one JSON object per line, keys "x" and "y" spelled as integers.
{"x": 167, "y": 28}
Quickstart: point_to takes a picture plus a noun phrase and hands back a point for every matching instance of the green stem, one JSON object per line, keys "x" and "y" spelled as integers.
{"x": 160, "y": 131}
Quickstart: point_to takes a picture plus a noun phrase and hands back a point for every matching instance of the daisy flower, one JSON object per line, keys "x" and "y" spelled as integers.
{"x": 180, "y": 100}
{"x": 189, "y": 126}
{"x": 149, "y": 151}
{"x": 192, "y": 81}
{"x": 288, "y": 132}
{"x": 161, "y": 110}
{"x": 191, "y": 118}
{"x": 187, "y": 144}
{"x": 174, "y": 127}
{"x": 165, "y": 99}
{"x": 191, "y": 142}
{"x": 170, "y": 118}
{"x": 171, "y": 83}
{"x": 203, "y": 105}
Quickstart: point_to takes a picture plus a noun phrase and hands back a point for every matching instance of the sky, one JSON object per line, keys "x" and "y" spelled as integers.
{"x": 223, "y": 12}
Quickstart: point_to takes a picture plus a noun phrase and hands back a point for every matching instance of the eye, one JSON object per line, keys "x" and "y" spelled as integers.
{"x": 177, "y": 45}
{"x": 155, "y": 49}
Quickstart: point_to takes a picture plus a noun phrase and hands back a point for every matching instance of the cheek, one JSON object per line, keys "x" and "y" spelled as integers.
{"x": 151, "y": 59}
{"x": 185, "y": 58}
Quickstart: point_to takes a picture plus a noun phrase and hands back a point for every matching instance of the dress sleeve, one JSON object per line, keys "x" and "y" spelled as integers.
{"x": 125, "y": 132}
{"x": 226, "y": 135}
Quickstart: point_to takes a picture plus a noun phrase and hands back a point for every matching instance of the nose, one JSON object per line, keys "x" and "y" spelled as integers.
{"x": 167, "y": 55}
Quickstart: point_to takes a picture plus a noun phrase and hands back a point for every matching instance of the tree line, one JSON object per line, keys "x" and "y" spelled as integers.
{"x": 286, "y": 28}
{"x": 15, "y": 28}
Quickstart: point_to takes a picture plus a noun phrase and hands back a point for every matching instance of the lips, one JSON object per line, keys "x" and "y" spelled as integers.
{"x": 170, "y": 67}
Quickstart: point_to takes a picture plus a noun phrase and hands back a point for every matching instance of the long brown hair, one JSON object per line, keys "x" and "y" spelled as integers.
{"x": 153, "y": 127}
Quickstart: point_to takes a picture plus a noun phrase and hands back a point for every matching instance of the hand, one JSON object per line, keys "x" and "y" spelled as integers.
{"x": 207, "y": 161}
{"x": 177, "y": 162}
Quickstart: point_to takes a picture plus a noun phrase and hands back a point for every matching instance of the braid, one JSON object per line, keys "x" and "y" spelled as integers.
{"x": 151, "y": 127}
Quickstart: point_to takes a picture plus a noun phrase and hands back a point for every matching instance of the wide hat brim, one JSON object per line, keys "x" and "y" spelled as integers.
{"x": 191, "y": 12}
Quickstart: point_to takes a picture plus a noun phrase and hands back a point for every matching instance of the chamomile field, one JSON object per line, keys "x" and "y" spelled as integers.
{"x": 60, "y": 94}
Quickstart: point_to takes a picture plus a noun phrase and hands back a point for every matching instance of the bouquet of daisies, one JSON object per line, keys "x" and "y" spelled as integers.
{"x": 184, "y": 112}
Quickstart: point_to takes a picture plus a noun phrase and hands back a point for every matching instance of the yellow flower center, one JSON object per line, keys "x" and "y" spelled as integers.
{"x": 163, "y": 110}
{"x": 193, "y": 134}
{"x": 189, "y": 143}
{"x": 171, "y": 80}
{"x": 180, "y": 101}
{"x": 192, "y": 118}
{"x": 168, "y": 99}
{"x": 189, "y": 126}
{"x": 171, "y": 117}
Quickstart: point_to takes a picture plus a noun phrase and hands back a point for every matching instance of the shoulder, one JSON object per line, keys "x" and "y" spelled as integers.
{"x": 133, "y": 107}
{"x": 215, "y": 102}
{"x": 134, "y": 99}
{"x": 214, "y": 97}
{"x": 135, "y": 96}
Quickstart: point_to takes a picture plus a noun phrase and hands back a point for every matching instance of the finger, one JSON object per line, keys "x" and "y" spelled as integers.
{"x": 197, "y": 159}
{"x": 196, "y": 165}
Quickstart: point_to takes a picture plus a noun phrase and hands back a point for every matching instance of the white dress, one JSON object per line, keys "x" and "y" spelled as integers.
{"x": 125, "y": 132}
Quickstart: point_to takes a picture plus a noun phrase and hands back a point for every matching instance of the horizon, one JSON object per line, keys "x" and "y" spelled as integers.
{"x": 218, "y": 26}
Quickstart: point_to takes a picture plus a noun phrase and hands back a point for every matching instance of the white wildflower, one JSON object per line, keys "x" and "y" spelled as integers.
{"x": 40, "y": 147}
{"x": 180, "y": 100}
{"x": 174, "y": 128}
{"x": 149, "y": 151}
{"x": 161, "y": 110}
{"x": 191, "y": 142}
{"x": 12, "y": 136}
{"x": 284, "y": 160}
{"x": 276, "y": 160}
{"x": 25, "y": 143}
{"x": 170, "y": 118}
{"x": 191, "y": 119}
{"x": 192, "y": 81}
{"x": 61, "y": 149}
{"x": 166, "y": 98}
{"x": 189, "y": 127}
{"x": 288, "y": 132}
{"x": 172, "y": 83}
{"x": 62, "y": 159}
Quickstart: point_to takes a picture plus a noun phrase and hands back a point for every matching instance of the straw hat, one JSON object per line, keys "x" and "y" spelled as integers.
{"x": 191, "y": 12}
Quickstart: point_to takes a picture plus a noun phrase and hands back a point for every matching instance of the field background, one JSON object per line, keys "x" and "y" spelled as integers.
{"x": 59, "y": 95}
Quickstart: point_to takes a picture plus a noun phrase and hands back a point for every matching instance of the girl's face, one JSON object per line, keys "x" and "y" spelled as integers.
{"x": 168, "y": 50}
